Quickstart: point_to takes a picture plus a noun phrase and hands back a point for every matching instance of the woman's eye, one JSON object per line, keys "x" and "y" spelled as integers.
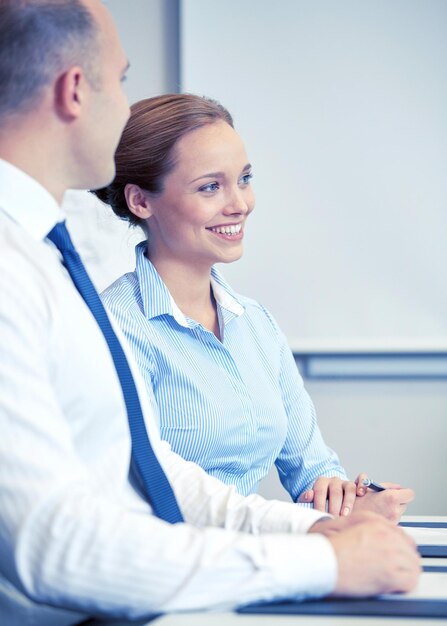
{"x": 246, "y": 178}
{"x": 209, "y": 187}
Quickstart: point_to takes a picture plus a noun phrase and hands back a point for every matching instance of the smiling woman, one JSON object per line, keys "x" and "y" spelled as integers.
{"x": 215, "y": 363}
{"x": 197, "y": 219}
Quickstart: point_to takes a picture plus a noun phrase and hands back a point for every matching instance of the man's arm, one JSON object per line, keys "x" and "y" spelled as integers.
{"x": 71, "y": 537}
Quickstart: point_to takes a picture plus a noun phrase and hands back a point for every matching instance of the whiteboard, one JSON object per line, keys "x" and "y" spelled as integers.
{"x": 343, "y": 110}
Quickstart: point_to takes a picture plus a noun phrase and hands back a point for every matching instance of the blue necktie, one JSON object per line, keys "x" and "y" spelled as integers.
{"x": 158, "y": 489}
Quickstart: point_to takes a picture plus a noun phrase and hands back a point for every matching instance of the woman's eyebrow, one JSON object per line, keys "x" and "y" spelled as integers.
{"x": 209, "y": 175}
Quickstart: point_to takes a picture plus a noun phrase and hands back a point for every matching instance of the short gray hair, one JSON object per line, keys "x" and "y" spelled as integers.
{"x": 38, "y": 39}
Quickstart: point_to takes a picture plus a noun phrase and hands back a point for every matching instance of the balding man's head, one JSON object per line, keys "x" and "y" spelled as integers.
{"x": 62, "y": 103}
{"x": 40, "y": 39}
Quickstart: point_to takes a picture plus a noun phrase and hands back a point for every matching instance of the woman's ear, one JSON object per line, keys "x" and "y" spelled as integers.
{"x": 137, "y": 201}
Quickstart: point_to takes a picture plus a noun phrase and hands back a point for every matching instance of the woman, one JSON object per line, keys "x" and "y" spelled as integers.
{"x": 228, "y": 392}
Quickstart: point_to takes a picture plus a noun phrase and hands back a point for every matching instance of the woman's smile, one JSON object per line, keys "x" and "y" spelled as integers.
{"x": 229, "y": 232}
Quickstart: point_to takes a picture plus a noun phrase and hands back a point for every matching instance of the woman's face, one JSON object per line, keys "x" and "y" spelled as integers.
{"x": 199, "y": 218}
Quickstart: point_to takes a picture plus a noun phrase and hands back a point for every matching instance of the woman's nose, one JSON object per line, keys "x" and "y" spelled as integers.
{"x": 237, "y": 203}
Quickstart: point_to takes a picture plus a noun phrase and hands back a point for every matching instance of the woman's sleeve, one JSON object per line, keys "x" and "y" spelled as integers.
{"x": 304, "y": 456}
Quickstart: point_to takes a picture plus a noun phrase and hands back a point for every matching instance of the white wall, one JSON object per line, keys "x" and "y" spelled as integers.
{"x": 395, "y": 430}
{"x": 342, "y": 106}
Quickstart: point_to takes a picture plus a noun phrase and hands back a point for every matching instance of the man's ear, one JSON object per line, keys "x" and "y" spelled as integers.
{"x": 137, "y": 201}
{"x": 70, "y": 93}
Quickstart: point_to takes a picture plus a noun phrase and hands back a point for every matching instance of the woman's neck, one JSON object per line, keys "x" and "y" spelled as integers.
{"x": 191, "y": 289}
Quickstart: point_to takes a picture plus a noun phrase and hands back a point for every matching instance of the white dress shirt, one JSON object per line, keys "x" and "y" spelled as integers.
{"x": 76, "y": 536}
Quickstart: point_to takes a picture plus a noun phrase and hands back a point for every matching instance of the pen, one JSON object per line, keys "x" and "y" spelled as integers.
{"x": 373, "y": 485}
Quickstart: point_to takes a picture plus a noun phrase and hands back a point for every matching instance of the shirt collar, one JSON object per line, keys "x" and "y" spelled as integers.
{"x": 27, "y": 202}
{"x": 224, "y": 294}
{"x": 155, "y": 295}
{"x": 157, "y": 299}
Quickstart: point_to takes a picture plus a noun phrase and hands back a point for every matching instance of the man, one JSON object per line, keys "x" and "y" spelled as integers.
{"x": 78, "y": 536}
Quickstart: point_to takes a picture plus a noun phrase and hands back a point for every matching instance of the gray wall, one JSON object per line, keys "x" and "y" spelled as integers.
{"x": 149, "y": 32}
{"x": 396, "y": 430}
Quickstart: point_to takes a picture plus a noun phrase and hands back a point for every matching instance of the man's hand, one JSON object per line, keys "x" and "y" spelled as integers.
{"x": 373, "y": 555}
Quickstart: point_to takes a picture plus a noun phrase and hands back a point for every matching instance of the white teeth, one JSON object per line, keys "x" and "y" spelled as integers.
{"x": 234, "y": 229}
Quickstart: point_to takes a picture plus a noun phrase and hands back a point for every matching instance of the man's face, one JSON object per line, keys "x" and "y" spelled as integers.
{"x": 107, "y": 109}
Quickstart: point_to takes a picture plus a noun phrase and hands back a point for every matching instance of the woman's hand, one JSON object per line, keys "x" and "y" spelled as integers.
{"x": 390, "y": 503}
{"x": 339, "y": 494}
{"x": 340, "y": 497}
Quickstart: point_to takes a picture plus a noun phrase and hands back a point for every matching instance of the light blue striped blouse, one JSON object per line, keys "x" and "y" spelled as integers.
{"x": 234, "y": 406}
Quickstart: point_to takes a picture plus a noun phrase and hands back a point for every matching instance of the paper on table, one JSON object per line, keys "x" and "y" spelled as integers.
{"x": 427, "y": 536}
{"x": 431, "y": 586}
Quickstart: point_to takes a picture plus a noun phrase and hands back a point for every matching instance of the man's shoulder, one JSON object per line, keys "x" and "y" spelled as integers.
{"x": 28, "y": 289}
{"x": 16, "y": 247}
{"x": 30, "y": 268}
